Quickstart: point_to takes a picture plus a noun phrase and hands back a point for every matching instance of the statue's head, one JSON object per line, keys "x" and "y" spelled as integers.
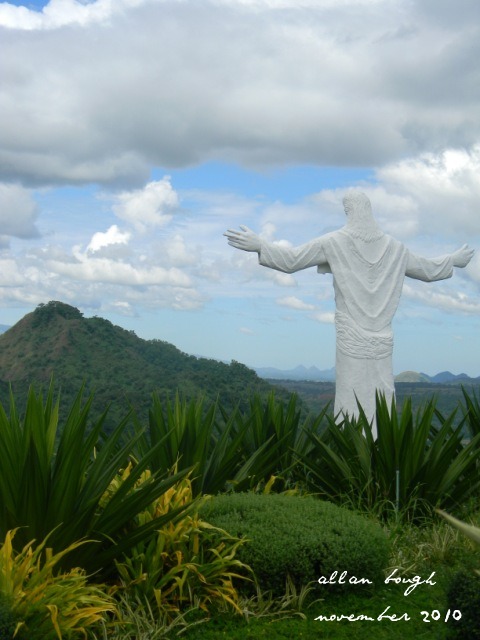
{"x": 360, "y": 221}
{"x": 356, "y": 202}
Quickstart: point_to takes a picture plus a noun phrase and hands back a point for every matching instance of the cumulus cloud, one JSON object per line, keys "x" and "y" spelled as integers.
{"x": 151, "y": 206}
{"x": 113, "y": 236}
{"x": 175, "y": 251}
{"x": 444, "y": 300}
{"x": 433, "y": 192}
{"x": 120, "y": 86}
{"x": 293, "y": 302}
{"x": 18, "y": 212}
{"x": 10, "y": 274}
{"x": 282, "y": 279}
{"x": 116, "y": 272}
{"x": 61, "y": 13}
{"x": 325, "y": 317}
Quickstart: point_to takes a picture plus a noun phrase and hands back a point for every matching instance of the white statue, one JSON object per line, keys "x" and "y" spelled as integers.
{"x": 368, "y": 270}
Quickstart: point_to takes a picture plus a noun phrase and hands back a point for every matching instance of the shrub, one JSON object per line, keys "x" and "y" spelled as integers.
{"x": 53, "y": 480}
{"x": 8, "y": 620}
{"x": 187, "y": 563}
{"x": 464, "y": 595}
{"x": 412, "y": 467}
{"x": 237, "y": 450}
{"x": 44, "y": 602}
{"x": 300, "y": 537}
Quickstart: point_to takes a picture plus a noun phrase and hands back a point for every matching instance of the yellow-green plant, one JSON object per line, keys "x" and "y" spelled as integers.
{"x": 47, "y": 604}
{"x": 187, "y": 563}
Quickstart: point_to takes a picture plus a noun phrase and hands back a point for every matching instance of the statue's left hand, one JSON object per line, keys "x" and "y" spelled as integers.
{"x": 245, "y": 239}
{"x": 462, "y": 256}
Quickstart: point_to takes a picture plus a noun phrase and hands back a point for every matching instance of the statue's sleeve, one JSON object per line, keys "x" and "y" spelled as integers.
{"x": 290, "y": 259}
{"x": 429, "y": 269}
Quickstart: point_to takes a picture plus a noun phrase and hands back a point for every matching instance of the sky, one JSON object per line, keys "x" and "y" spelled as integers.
{"x": 135, "y": 132}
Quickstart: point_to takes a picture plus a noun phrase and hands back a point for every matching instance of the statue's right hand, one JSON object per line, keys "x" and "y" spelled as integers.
{"x": 245, "y": 239}
{"x": 462, "y": 256}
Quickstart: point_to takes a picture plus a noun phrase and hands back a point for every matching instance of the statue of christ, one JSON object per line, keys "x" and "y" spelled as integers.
{"x": 368, "y": 268}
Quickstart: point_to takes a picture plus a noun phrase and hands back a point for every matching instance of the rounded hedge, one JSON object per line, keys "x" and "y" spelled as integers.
{"x": 463, "y": 594}
{"x": 303, "y": 537}
{"x": 7, "y": 619}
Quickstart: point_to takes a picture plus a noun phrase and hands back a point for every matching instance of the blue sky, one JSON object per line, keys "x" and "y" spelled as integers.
{"x": 136, "y": 132}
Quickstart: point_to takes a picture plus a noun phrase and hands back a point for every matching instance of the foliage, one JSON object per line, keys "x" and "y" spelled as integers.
{"x": 464, "y": 595}
{"x": 8, "y": 620}
{"x": 187, "y": 563}
{"x": 265, "y": 605}
{"x": 239, "y": 450}
{"x": 52, "y": 481}
{"x": 119, "y": 367}
{"x": 45, "y": 603}
{"x": 138, "y": 620}
{"x": 411, "y": 467}
{"x": 472, "y": 412}
{"x": 278, "y": 429}
{"x": 300, "y": 537}
{"x": 469, "y": 530}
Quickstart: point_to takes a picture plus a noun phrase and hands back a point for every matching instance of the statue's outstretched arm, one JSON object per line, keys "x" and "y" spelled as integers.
{"x": 431, "y": 269}
{"x": 286, "y": 259}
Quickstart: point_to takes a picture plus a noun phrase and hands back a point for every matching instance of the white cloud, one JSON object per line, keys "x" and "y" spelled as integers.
{"x": 281, "y": 279}
{"x": 151, "y": 206}
{"x": 112, "y": 236}
{"x": 10, "y": 274}
{"x": 18, "y": 212}
{"x": 123, "y": 308}
{"x": 175, "y": 251}
{"x": 115, "y": 272}
{"x": 434, "y": 192}
{"x": 61, "y": 13}
{"x": 442, "y": 299}
{"x": 120, "y": 86}
{"x": 325, "y": 317}
{"x": 293, "y": 302}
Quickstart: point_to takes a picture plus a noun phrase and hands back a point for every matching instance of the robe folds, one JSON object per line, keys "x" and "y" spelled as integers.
{"x": 368, "y": 278}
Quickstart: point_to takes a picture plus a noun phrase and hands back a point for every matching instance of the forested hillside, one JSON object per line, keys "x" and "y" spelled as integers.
{"x": 118, "y": 366}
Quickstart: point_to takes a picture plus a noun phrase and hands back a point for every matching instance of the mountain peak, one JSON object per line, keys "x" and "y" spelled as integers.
{"x": 45, "y": 312}
{"x": 57, "y": 340}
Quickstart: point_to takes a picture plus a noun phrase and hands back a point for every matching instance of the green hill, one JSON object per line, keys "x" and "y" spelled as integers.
{"x": 411, "y": 376}
{"x": 118, "y": 366}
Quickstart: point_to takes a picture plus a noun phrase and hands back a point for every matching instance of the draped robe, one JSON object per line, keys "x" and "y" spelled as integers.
{"x": 368, "y": 279}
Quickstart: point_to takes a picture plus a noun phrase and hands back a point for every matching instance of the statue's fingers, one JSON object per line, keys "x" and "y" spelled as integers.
{"x": 235, "y": 243}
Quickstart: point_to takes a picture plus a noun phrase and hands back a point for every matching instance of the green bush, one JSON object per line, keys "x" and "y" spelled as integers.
{"x": 8, "y": 620}
{"x": 302, "y": 537}
{"x": 464, "y": 595}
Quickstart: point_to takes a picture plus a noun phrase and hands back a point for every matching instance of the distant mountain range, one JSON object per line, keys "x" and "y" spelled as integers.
{"x": 314, "y": 374}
